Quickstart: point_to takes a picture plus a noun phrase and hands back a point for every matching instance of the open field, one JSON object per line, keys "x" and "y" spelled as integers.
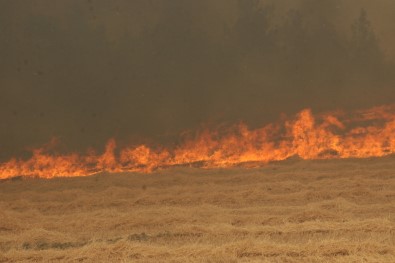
{"x": 293, "y": 211}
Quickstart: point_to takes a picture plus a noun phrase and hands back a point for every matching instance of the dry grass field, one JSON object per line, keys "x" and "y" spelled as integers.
{"x": 293, "y": 211}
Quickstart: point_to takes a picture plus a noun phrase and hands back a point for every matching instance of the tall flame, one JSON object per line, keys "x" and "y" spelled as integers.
{"x": 361, "y": 134}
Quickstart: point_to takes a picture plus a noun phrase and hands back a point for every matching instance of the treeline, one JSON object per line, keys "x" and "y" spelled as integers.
{"x": 262, "y": 60}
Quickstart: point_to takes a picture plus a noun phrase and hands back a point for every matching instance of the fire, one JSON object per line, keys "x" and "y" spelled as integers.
{"x": 361, "y": 134}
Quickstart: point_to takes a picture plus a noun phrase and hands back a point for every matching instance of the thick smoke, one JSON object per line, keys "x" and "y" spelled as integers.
{"x": 85, "y": 71}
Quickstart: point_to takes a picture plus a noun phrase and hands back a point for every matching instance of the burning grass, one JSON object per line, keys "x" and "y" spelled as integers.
{"x": 336, "y": 135}
{"x": 295, "y": 211}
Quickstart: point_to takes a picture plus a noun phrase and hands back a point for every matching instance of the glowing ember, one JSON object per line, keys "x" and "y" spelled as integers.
{"x": 362, "y": 134}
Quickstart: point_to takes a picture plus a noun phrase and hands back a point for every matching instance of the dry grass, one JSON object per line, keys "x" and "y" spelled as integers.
{"x": 295, "y": 211}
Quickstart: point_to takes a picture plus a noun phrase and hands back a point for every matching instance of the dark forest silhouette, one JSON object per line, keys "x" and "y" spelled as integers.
{"x": 302, "y": 58}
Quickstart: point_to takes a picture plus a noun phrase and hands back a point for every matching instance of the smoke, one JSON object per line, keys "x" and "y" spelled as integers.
{"x": 85, "y": 71}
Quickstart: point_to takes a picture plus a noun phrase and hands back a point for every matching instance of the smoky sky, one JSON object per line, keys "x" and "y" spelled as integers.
{"x": 85, "y": 71}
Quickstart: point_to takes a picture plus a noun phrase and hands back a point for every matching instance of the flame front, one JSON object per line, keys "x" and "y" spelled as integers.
{"x": 361, "y": 134}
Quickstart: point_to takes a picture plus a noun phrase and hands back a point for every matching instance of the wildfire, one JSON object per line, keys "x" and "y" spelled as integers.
{"x": 361, "y": 134}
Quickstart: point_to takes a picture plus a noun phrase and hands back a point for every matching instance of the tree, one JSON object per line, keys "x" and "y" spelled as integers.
{"x": 364, "y": 44}
{"x": 252, "y": 29}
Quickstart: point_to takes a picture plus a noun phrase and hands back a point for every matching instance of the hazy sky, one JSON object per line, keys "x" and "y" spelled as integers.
{"x": 85, "y": 71}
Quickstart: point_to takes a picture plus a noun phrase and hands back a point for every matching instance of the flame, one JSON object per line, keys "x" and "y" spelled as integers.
{"x": 360, "y": 134}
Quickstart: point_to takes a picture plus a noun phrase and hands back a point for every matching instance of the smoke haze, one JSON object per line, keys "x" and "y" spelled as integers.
{"x": 85, "y": 71}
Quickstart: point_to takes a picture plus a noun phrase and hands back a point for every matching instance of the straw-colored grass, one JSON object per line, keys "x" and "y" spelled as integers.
{"x": 294, "y": 211}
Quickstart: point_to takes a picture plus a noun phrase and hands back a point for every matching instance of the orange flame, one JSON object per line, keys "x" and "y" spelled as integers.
{"x": 362, "y": 134}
